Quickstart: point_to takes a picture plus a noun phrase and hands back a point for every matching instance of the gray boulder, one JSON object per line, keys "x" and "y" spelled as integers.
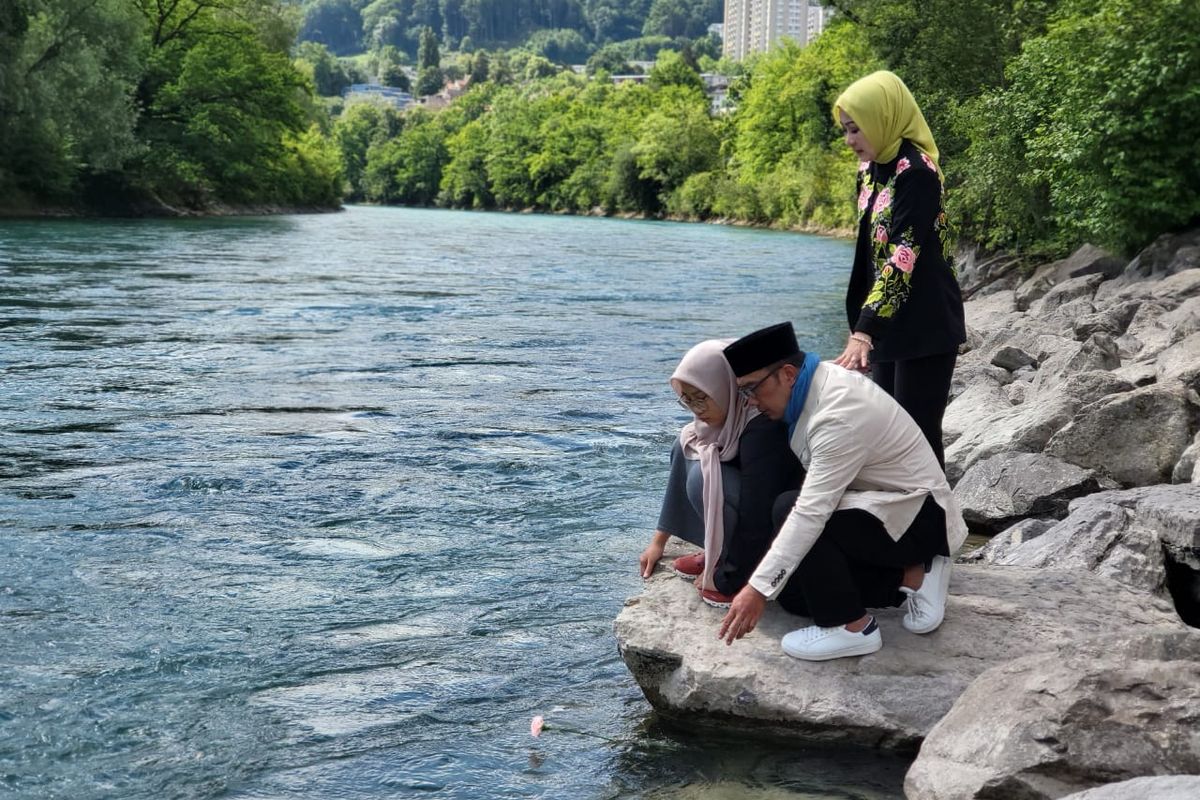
{"x": 1110, "y": 319}
{"x": 1152, "y": 787}
{"x": 1013, "y": 358}
{"x": 981, "y": 423}
{"x": 1098, "y": 352}
{"x": 1167, "y": 255}
{"x": 1134, "y": 437}
{"x": 892, "y": 698}
{"x": 999, "y": 490}
{"x": 1087, "y": 260}
{"x": 1180, "y": 362}
{"x": 1185, "y": 469}
{"x": 1098, "y": 536}
{"x": 1046, "y": 725}
{"x": 1074, "y": 291}
{"x": 1133, "y": 536}
{"x": 1000, "y": 546}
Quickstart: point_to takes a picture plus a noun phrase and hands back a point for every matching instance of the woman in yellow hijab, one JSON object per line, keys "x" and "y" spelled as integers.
{"x": 903, "y": 301}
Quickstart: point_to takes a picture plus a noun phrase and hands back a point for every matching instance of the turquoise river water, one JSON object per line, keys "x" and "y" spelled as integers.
{"x": 330, "y": 506}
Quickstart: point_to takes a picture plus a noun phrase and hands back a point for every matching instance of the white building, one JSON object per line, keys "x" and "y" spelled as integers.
{"x": 754, "y": 26}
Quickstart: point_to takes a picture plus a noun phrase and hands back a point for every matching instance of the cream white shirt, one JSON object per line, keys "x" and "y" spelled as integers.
{"x": 861, "y": 450}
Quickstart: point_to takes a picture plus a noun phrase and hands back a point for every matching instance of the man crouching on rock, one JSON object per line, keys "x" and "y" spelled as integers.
{"x": 875, "y": 521}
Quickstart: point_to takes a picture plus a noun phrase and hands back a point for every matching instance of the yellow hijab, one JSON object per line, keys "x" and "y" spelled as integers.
{"x": 884, "y": 110}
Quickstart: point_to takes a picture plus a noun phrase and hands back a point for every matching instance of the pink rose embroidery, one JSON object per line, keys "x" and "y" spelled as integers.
{"x": 929, "y": 162}
{"x": 882, "y": 200}
{"x": 904, "y": 258}
{"x": 886, "y": 271}
{"x": 881, "y": 234}
{"x": 864, "y": 197}
{"x": 862, "y": 166}
{"x": 902, "y": 165}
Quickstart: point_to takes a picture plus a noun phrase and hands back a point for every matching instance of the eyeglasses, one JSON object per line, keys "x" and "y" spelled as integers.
{"x": 695, "y": 403}
{"x": 751, "y": 389}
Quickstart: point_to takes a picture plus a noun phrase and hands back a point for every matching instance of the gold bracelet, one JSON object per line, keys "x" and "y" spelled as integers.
{"x": 862, "y": 337}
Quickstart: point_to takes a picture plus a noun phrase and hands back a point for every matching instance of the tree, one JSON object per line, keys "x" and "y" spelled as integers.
{"x": 689, "y": 18}
{"x": 336, "y": 24}
{"x": 67, "y": 73}
{"x": 479, "y": 68}
{"x": 330, "y": 77}
{"x": 1087, "y": 131}
{"x": 429, "y": 74}
{"x": 672, "y": 70}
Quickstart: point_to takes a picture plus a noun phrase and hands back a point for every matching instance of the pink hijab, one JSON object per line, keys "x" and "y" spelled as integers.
{"x": 705, "y": 367}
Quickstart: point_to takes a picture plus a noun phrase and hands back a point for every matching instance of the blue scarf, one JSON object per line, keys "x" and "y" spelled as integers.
{"x": 800, "y": 393}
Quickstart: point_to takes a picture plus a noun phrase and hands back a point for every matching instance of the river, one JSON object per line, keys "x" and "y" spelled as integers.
{"x": 330, "y": 506}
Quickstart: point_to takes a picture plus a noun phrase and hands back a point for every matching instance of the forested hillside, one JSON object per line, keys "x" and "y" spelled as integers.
{"x": 126, "y": 103}
{"x": 1061, "y": 122}
{"x": 351, "y": 26}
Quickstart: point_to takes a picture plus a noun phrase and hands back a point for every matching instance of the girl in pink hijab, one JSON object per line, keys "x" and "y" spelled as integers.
{"x": 727, "y": 467}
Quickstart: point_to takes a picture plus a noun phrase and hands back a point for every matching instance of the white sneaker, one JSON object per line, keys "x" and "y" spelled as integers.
{"x": 815, "y": 643}
{"x": 927, "y": 606}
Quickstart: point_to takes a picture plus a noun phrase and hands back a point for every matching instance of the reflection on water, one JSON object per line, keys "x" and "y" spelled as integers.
{"x": 331, "y": 506}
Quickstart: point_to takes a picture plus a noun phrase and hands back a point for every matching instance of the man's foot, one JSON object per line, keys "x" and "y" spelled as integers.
{"x": 926, "y": 606}
{"x": 815, "y": 643}
{"x": 689, "y": 566}
{"x": 715, "y": 598}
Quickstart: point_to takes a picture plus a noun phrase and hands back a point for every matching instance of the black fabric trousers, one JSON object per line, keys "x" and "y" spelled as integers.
{"x": 855, "y": 564}
{"x": 921, "y": 386}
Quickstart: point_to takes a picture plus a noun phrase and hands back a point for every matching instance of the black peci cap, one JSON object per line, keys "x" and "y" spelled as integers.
{"x": 762, "y": 349}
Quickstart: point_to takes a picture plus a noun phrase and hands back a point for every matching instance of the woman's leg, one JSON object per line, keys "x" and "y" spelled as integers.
{"x": 921, "y": 386}
{"x": 678, "y": 516}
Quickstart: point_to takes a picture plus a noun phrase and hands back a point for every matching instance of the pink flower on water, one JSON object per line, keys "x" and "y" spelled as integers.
{"x": 881, "y": 234}
{"x": 902, "y": 165}
{"x": 882, "y": 200}
{"x": 904, "y": 258}
{"x": 864, "y": 197}
{"x": 929, "y": 162}
{"x": 535, "y": 726}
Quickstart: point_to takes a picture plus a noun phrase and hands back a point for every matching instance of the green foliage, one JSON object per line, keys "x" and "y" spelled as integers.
{"x": 407, "y": 168}
{"x": 688, "y": 18}
{"x": 361, "y": 125}
{"x": 329, "y": 75}
{"x": 1085, "y": 141}
{"x": 67, "y": 74}
{"x": 561, "y": 45}
{"x": 671, "y": 70}
{"x": 480, "y": 67}
{"x": 336, "y": 24}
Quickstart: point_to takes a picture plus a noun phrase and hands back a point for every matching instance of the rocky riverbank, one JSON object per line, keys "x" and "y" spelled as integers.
{"x": 1069, "y": 658}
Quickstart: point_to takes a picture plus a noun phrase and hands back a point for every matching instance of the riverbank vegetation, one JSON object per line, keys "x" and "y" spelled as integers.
{"x": 1060, "y": 123}
{"x": 1063, "y": 121}
{"x": 122, "y": 106}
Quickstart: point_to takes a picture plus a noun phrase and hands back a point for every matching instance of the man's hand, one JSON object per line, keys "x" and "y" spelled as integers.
{"x": 743, "y": 615}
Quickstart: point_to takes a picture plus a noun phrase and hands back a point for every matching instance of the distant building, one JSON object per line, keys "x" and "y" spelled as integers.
{"x": 754, "y": 26}
{"x": 377, "y": 92}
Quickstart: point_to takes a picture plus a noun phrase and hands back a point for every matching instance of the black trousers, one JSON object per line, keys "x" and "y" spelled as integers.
{"x": 921, "y": 386}
{"x": 855, "y": 564}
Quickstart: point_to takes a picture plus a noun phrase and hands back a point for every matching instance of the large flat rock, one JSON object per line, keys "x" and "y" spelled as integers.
{"x": 892, "y": 698}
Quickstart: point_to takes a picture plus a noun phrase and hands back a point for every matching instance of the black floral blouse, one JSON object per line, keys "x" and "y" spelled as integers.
{"x": 903, "y": 289}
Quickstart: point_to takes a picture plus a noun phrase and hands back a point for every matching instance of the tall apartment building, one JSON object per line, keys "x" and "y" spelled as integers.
{"x": 754, "y": 26}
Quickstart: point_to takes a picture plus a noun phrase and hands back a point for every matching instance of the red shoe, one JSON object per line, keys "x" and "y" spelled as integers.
{"x": 689, "y": 566}
{"x": 716, "y": 599}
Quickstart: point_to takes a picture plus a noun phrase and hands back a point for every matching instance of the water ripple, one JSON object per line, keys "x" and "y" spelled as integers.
{"x": 330, "y": 506}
